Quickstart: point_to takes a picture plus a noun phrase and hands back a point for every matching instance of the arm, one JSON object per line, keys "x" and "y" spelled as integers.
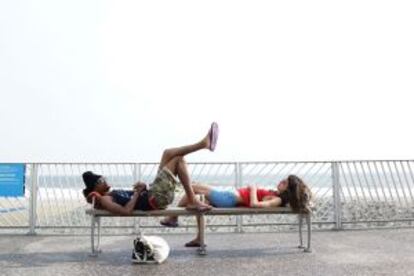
{"x": 107, "y": 204}
{"x": 271, "y": 202}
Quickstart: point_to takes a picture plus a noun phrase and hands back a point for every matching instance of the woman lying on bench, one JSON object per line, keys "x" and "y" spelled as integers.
{"x": 292, "y": 191}
{"x": 161, "y": 192}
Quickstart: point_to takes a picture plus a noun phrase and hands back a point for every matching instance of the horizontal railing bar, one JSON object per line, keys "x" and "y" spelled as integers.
{"x": 16, "y": 227}
{"x": 214, "y": 162}
{"x": 285, "y": 223}
{"x": 368, "y": 221}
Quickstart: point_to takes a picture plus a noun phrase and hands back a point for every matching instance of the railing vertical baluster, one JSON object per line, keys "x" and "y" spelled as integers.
{"x": 386, "y": 184}
{"x": 393, "y": 182}
{"x": 33, "y": 201}
{"x": 336, "y": 196}
{"x": 380, "y": 184}
{"x": 135, "y": 172}
{"x": 408, "y": 182}
{"x": 347, "y": 185}
{"x": 367, "y": 183}
{"x": 239, "y": 181}
{"x": 137, "y": 175}
{"x": 397, "y": 173}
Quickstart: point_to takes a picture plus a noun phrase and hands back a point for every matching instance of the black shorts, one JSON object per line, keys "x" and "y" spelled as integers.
{"x": 142, "y": 202}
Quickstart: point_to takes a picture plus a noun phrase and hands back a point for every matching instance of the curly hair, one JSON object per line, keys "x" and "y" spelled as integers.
{"x": 299, "y": 195}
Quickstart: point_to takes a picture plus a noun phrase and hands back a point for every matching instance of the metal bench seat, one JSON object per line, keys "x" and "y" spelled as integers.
{"x": 96, "y": 215}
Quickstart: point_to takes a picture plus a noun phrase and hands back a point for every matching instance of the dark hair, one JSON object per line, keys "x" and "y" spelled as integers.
{"x": 299, "y": 195}
{"x": 86, "y": 192}
{"x": 90, "y": 179}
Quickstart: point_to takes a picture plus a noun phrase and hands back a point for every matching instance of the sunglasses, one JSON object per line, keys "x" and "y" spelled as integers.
{"x": 101, "y": 180}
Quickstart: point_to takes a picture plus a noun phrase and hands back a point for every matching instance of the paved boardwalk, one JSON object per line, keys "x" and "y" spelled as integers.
{"x": 370, "y": 252}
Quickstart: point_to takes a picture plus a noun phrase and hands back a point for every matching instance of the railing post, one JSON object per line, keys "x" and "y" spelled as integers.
{"x": 137, "y": 177}
{"x": 336, "y": 195}
{"x": 239, "y": 181}
{"x": 33, "y": 200}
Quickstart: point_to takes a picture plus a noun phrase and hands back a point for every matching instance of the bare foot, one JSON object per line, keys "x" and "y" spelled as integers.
{"x": 198, "y": 206}
{"x": 206, "y": 141}
{"x": 210, "y": 140}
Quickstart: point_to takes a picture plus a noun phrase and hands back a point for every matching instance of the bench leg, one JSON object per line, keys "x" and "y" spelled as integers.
{"x": 98, "y": 246}
{"x": 137, "y": 227}
{"x": 202, "y": 249}
{"x": 300, "y": 217}
{"x": 309, "y": 224}
{"x": 95, "y": 250}
{"x": 93, "y": 253}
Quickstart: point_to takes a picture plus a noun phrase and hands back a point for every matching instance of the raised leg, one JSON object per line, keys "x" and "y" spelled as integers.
{"x": 171, "y": 153}
{"x": 309, "y": 224}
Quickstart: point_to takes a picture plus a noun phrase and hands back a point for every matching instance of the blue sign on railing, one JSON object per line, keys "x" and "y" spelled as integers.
{"x": 12, "y": 179}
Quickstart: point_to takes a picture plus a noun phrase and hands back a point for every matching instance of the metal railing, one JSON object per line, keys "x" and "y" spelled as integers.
{"x": 348, "y": 194}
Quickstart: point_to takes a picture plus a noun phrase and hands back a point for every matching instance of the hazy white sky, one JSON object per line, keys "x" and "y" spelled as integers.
{"x": 285, "y": 80}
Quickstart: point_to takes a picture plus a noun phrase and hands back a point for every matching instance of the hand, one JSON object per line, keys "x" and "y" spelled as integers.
{"x": 95, "y": 195}
{"x": 139, "y": 186}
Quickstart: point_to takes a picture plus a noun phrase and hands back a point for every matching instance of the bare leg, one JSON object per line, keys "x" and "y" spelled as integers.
{"x": 172, "y": 221}
{"x": 196, "y": 242}
{"x": 170, "y": 154}
{"x": 199, "y": 189}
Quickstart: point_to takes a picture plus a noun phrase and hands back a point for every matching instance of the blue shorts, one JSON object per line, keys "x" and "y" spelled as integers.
{"x": 222, "y": 198}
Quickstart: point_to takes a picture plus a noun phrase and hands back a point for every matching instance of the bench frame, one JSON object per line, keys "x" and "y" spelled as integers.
{"x": 96, "y": 216}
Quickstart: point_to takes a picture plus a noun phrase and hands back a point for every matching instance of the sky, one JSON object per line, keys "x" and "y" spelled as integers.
{"x": 119, "y": 81}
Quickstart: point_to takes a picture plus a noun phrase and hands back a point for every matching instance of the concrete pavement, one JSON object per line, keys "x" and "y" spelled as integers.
{"x": 367, "y": 252}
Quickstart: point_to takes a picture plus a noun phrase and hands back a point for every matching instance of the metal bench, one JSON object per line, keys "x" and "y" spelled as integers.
{"x": 97, "y": 214}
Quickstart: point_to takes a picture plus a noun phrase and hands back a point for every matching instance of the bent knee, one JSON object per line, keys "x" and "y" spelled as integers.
{"x": 166, "y": 154}
{"x": 180, "y": 159}
{"x": 174, "y": 163}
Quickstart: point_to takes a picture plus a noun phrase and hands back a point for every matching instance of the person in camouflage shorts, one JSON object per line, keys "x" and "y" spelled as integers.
{"x": 173, "y": 165}
{"x": 162, "y": 189}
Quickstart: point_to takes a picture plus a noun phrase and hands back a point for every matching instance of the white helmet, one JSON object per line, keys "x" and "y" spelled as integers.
{"x": 150, "y": 249}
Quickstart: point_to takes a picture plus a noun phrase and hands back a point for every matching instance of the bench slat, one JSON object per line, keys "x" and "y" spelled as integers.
{"x": 176, "y": 211}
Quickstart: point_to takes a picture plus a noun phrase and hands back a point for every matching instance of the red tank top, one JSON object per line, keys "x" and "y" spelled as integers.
{"x": 261, "y": 193}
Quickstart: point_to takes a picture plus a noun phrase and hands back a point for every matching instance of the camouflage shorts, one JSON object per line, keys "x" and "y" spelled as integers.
{"x": 162, "y": 189}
